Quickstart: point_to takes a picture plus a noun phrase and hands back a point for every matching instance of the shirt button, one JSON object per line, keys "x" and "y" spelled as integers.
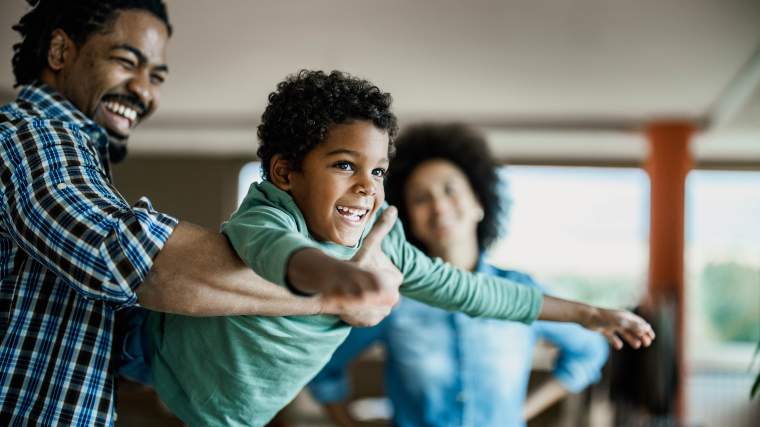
{"x": 61, "y": 186}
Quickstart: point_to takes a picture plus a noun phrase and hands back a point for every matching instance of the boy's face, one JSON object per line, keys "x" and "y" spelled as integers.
{"x": 340, "y": 184}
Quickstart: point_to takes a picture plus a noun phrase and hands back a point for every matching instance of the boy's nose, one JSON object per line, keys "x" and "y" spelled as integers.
{"x": 367, "y": 186}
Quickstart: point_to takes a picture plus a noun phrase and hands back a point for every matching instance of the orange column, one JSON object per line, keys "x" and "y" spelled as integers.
{"x": 668, "y": 165}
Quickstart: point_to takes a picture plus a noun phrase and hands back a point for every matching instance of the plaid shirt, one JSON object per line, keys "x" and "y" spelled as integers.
{"x": 72, "y": 251}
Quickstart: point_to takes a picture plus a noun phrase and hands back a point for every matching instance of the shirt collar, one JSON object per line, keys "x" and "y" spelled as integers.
{"x": 51, "y": 104}
{"x": 482, "y": 266}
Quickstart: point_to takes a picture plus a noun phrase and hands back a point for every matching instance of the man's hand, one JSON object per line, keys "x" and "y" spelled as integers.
{"x": 367, "y": 286}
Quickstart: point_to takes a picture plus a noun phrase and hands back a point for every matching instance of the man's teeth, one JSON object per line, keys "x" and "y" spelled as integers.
{"x": 121, "y": 110}
{"x": 352, "y": 213}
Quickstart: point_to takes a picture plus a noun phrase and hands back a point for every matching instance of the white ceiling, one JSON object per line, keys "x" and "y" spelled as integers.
{"x": 543, "y": 77}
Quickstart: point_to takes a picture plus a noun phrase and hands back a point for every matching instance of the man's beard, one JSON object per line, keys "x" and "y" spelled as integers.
{"x": 117, "y": 149}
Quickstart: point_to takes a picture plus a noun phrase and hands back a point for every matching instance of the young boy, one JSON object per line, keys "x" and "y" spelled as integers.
{"x": 325, "y": 146}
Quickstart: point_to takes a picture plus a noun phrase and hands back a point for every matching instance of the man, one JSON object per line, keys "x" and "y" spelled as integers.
{"x": 73, "y": 252}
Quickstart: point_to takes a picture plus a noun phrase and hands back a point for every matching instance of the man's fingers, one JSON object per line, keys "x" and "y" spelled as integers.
{"x": 381, "y": 228}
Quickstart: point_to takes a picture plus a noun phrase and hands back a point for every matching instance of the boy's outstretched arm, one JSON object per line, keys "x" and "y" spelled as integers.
{"x": 613, "y": 324}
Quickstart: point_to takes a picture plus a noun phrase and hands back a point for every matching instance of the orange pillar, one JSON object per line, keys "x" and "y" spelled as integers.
{"x": 668, "y": 165}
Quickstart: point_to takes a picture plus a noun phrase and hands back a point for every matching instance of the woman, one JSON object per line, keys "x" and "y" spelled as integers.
{"x": 446, "y": 368}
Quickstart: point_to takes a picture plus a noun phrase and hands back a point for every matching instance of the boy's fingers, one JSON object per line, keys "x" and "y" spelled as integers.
{"x": 632, "y": 339}
{"x": 614, "y": 340}
{"x": 381, "y": 228}
{"x": 645, "y": 340}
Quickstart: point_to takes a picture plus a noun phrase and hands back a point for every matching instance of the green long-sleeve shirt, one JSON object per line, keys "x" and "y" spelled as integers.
{"x": 240, "y": 370}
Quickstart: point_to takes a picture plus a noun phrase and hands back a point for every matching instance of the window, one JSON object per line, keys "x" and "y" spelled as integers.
{"x": 723, "y": 260}
{"x": 722, "y": 294}
{"x": 249, "y": 173}
{"x": 582, "y": 231}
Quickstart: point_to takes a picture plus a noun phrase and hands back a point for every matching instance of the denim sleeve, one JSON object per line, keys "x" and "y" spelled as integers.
{"x": 582, "y": 353}
{"x": 331, "y": 384}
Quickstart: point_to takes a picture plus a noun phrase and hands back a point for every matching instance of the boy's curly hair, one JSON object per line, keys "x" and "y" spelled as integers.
{"x": 78, "y": 18}
{"x": 467, "y": 149}
{"x": 307, "y": 104}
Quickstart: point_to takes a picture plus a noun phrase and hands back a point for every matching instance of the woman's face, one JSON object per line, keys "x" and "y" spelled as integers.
{"x": 443, "y": 209}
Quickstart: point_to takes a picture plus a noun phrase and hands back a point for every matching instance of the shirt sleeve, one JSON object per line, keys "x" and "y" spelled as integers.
{"x": 331, "y": 384}
{"x": 582, "y": 353}
{"x": 60, "y": 208}
{"x": 434, "y": 282}
{"x": 265, "y": 237}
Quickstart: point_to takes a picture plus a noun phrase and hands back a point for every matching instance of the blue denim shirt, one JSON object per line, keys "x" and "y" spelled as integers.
{"x": 448, "y": 369}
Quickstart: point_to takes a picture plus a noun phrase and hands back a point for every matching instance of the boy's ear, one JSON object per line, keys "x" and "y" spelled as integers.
{"x": 60, "y": 51}
{"x": 279, "y": 172}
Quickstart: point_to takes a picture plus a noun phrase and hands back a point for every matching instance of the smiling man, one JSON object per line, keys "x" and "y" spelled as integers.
{"x": 72, "y": 251}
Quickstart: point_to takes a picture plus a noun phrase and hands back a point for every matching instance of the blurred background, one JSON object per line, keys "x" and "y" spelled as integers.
{"x": 631, "y": 131}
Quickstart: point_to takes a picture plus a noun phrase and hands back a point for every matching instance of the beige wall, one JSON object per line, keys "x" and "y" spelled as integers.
{"x": 201, "y": 190}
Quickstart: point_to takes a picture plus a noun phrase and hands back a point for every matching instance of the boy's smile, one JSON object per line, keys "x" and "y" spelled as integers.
{"x": 340, "y": 183}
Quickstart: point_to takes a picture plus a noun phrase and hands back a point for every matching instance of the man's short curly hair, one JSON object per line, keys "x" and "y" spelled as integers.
{"x": 305, "y": 106}
{"x": 467, "y": 149}
{"x": 77, "y": 18}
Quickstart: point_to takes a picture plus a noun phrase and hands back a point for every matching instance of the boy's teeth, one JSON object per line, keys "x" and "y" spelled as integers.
{"x": 353, "y": 213}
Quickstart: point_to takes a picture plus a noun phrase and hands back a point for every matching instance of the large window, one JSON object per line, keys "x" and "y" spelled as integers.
{"x": 582, "y": 231}
{"x": 723, "y": 261}
{"x": 722, "y": 294}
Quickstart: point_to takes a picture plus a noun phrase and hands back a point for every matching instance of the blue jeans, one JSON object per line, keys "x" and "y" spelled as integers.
{"x": 134, "y": 352}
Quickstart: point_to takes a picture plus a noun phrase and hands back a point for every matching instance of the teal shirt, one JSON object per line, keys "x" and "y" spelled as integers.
{"x": 240, "y": 370}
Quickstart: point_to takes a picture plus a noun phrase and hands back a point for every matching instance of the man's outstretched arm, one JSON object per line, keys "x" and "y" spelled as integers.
{"x": 198, "y": 273}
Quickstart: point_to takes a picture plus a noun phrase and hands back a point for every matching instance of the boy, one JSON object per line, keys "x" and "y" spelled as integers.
{"x": 325, "y": 147}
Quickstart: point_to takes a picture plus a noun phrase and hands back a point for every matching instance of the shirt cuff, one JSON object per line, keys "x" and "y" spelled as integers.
{"x": 131, "y": 253}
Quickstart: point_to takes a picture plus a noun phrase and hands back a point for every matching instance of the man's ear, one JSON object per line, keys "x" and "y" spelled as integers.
{"x": 279, "y": 172}
{"x": 61, "y": 49}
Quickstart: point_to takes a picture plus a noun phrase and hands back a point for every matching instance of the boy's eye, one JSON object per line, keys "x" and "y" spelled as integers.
{"x": 344, "y": 166}
{"x": 379, "y": 172}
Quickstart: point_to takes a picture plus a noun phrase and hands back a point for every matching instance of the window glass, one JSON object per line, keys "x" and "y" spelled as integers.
{"x": 249, "y": 173}
{"x": 582, "y": 231}
{"x": 723, "y": 257}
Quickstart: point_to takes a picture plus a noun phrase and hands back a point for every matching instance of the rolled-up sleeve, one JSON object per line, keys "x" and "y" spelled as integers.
{"x": 59, "y": 206}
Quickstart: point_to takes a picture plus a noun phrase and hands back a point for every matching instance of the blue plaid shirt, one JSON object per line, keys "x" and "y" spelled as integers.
{"x": 72, "y": 252}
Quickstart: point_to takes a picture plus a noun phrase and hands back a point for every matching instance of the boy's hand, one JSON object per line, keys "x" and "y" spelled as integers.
{"x": 614, "y": 324}
{"x": 365, "y": 289}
